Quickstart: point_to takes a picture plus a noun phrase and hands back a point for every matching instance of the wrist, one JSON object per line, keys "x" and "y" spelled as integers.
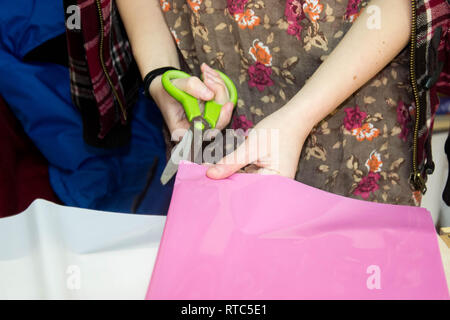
{"x": 159, "y": 94}
{"x": 148, "y": 79}
{"x": 299, "y": 119}
{"x": 155, "y": 87}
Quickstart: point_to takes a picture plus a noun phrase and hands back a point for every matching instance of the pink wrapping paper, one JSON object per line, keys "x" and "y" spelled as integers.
{"x": 269, "y": 237}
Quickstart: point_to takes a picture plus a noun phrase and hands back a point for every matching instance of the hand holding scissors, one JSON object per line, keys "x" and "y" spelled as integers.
{"x": 200, "y": 120}
{"x": 212, "y": 87}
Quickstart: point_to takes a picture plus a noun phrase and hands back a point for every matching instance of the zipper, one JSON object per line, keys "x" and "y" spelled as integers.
{"x": 102, "y": 62}
{"x": 416, "y": 179}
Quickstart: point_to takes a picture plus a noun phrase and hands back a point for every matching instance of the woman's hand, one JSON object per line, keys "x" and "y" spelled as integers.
{"x": 212, "y": 87}
{"x": 280, "y": 152}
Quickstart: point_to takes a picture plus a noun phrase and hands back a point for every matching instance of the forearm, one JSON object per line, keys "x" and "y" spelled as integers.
{"x": 151, "y": 40}
{"x": 361, "y": 54}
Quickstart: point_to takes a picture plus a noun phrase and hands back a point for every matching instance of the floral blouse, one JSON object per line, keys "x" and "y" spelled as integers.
{"x": 270, "y": 48}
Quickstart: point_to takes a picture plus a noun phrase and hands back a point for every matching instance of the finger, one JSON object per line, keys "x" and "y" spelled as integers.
{"x": 174, "y": 116}
{"x": 175, "y": 127}
{"x": 219, "y": 88}
{"x": 209, "y": 72}
{"x": 214, "y": 82}
{"x": 234, "y": 161}
{"x": 195, "y": 87}
{"x": 206, "y": 68}
{"x": 225, "y": 115}
{"x": 213, "y": 74}
{"x": 222, "y": 171}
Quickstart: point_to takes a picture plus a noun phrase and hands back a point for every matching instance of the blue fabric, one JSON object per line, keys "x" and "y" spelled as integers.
{"x": 39, "y": 95}
{"x": 25, "y": 24}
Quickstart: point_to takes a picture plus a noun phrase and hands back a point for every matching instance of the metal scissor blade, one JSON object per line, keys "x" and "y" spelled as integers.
{"x": 169, "y": 171}
{"x": 196, "y": 143}
{"x": 179, "y": 153}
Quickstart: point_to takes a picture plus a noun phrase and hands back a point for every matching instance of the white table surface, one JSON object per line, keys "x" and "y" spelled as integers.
{"x": 56, "y": 252}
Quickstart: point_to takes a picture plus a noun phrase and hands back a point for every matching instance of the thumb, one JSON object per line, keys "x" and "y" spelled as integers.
{"x": 222, "y": 171}
{"x": 195, "y": 87}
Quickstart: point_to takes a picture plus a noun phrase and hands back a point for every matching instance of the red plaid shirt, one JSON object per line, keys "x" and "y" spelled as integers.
{"x": 104, "y": 77}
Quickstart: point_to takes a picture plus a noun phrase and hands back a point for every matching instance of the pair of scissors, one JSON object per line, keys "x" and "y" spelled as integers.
{"x": 191, "y": 144}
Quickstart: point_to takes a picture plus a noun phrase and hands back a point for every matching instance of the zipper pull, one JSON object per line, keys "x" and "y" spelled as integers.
{"x": 417, "y": 182}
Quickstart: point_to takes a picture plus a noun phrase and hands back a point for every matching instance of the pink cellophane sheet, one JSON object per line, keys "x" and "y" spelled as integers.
{"x": 268, "y": 237}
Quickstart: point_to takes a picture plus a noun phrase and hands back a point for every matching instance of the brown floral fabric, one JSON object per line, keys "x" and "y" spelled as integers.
{"x": 269, "y": 48}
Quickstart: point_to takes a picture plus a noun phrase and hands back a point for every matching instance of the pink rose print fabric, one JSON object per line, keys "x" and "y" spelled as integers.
{"x": 259, "y": 76}
{"x": 236, "y": 6}
{"x": 354, "y": 118}
{"x": 241, "y": 122}
{"x": 367, "y": 185}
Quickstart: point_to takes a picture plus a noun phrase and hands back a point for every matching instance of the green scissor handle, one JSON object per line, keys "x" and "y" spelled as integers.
{"x": 190, "y": 104}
